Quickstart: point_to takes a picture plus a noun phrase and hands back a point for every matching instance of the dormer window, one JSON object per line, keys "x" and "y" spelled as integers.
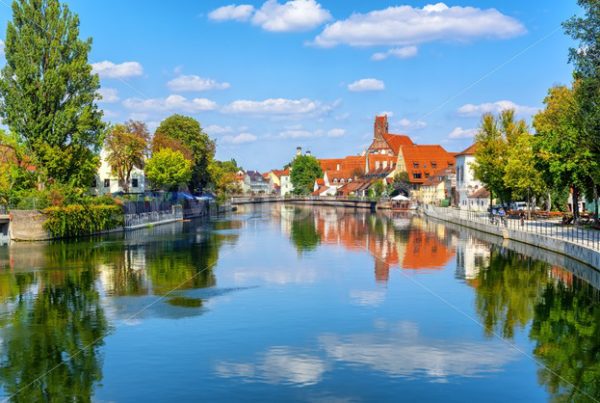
{"x": 433, "y": 164}
{"x": 415, "y": 165}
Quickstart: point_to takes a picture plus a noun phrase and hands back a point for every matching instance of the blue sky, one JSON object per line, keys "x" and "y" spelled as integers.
{"x": 263, "y": 77}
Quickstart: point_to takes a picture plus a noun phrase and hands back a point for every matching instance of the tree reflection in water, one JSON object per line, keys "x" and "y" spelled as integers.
{"x": 513, "y": 291}
{"x": 566, "y": 329}
{"x": 52, "y": 336}
{"x": 53, "y": 322}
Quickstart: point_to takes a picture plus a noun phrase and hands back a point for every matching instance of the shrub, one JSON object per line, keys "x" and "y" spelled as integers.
{"x": 82, "y": 219}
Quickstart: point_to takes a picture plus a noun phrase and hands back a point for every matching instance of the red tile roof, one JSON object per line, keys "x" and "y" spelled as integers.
{"x": 468, "y": 151}
{"x": 419, "y": 159}
{"x": 396, "y": 141}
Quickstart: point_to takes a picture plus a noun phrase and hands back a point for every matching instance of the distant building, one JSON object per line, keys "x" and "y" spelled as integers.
{"x": 106, "y": 182}
{"x": 472, "y": 194}
{"x": 439, "y": 187}
{"x": 280, "y": 178}
{"x": 255, "y": 183}
{"x": 389, "y": 154}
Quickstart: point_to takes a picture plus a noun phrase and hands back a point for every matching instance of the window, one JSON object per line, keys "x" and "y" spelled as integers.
{"x": 417, "y": 175}
{"x": 415, "y": 165}
{"x": 94, "y": 183}
{"x": 134, "y": 183}
{"x": 106, "y": 183}
{"x": 376, "y": 164}
{"x": 427, "y": 174}
{"x": 433, "y": 164}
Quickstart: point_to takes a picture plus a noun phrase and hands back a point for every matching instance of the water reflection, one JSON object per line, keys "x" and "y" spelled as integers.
{"x": 53, "y": 320}
{"x": 394, "y": 240}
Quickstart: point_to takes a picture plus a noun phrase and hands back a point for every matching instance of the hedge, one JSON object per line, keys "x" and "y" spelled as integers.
{"x": 79, "y": 220}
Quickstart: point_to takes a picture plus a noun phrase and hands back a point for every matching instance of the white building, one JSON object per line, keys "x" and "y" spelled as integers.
{"x": 106, "y": 182}
{"x": 471, "y": 192}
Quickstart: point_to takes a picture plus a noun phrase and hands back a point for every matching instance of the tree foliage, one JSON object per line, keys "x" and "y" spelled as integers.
{"x": 48, "y": 91}
{"x": 305, "y": 170}
{"x": 168, "y": 169}
{"x": 496, "y": 136}
{"x": 126, "y": 146}
{"x": 562, "y": 144}
{"x": 188, "y": 133}
{"x": 223, "y": 177}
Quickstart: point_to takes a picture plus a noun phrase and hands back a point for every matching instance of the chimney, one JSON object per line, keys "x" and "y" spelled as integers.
{"x": 298, "y": 151}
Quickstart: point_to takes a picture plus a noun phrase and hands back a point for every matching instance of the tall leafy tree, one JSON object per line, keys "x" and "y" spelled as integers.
{"x": 586, "y": 59}
{"x": 188, "y": 132}
{"x": 521, "y": 173}
{"x": 48, "y": 91}
{"x": 126, "y": 147}
{"x": 561, "y": 142}
{"x": 305, "y": 170}
{"x": 168, "y": 169}
{"x": 495, "y": 138}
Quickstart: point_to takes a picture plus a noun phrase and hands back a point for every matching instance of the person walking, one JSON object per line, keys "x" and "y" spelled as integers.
{"x": 522, "y": 218}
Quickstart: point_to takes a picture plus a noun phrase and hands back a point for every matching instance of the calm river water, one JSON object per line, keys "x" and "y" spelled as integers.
{"x": 281, "y": 303}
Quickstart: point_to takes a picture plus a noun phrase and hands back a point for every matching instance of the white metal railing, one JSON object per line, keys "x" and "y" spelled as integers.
{"x": 549, "y": 228}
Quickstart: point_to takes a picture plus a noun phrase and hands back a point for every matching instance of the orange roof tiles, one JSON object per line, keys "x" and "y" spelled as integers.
{"x": 468, "y": 151}
{"x": 396, "y": 141}
{"x": 424, "y": 160}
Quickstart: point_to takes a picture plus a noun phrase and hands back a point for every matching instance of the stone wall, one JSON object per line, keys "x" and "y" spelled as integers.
{"x": 27, "y": 225}
{"x": 579, "y": 252}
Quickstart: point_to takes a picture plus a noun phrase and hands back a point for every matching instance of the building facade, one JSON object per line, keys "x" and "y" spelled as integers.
{"x": 105, "y": 182}
{"x": 470, "y": 191}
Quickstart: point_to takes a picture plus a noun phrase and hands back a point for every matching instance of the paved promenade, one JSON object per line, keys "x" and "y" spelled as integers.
{"x": 572, "y": 240}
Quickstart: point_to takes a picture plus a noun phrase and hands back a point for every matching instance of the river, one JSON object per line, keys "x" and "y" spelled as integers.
{"x": 282, "y": 303}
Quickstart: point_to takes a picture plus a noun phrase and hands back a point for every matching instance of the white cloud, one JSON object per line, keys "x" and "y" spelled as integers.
{"x": 108, "y": 69}
{"x": 216, "y": 129}
{"x": 387, "y": 113}
{"x": 336, "y": 132}
{"x": 371, "y": 298}
{"x": 279, "y": 365}
{"x": 240, "y": 138}
{"x": 407, "y": 124}
{"x": 278, "y": 107}
{"x": 460, "y": 133}
{"x": 367, "y": 84}
{"x": 195, "y": 83}
{"x": 291, "y": 16}
{"x": 405, "y": 52}
{"x": 294, "y": 15}
{"x": 406, "y": 25}
{"x": 170, "y": 103}
{"x": 232, "y": 12}
{"x": 109, "y": 95}
{"x": 470, "y": 110}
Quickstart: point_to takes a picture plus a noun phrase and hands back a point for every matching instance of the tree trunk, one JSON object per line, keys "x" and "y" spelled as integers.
{"x": 575, "y": 201}
{"x": 549, "y": 203}
{"x": 596, "y": 203}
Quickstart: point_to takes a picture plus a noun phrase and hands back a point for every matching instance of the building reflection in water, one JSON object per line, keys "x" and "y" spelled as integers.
{"x": 394, "y": 240}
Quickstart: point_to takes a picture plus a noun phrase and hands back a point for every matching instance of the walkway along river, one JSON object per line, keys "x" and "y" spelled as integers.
{"x": 290, "y": 303}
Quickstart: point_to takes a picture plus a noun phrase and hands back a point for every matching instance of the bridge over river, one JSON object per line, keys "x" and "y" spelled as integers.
{"x": 307, "y": 200}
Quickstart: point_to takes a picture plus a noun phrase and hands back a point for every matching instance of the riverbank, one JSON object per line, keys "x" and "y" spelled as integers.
{"x": 561, "y": 245}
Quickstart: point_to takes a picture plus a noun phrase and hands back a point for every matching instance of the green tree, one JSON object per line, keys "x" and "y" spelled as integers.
{"x": 586, "y": 59}
{"x": 48, "y": 91}
{"x": 223, "y": 177}
{"x": 303, "y": 232}
{"x": 126, "y": 146}
{"x": 496, "y": 136}
{"x": 561, "y": 143}
{"x": 168, "y": 169}
{"x": 188, "y": 132}
{"x": 521, "y": 173}
{"x": 305, "y": 170}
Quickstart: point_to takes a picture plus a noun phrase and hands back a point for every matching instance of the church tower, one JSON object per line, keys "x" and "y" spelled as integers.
{"x": 379, "y": 130}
